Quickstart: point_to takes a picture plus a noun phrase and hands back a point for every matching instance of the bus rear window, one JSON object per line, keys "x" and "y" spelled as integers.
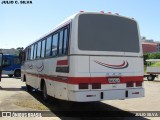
{"x": 97, "y": 32}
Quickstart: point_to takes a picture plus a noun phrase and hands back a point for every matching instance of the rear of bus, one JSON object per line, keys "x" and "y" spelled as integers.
{"x": 106, "y": 60}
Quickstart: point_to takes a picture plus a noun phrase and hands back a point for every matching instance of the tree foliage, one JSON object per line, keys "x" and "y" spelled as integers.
{"x": 154, "y": 56}
{"x": 151, "y": 56}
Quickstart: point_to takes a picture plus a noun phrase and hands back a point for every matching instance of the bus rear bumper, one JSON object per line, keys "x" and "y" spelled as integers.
{"x": 89, "y": 96}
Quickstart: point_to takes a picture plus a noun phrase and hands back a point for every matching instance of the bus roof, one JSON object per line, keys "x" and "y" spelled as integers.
{"x": 69, "y": 19}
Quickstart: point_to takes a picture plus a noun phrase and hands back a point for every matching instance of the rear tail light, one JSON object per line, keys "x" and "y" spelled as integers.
{"x": 138, "y": 83}
{"x": 83, "y": 85}
{"x": 129, "y": 84}
{"x": 96, "y": 86}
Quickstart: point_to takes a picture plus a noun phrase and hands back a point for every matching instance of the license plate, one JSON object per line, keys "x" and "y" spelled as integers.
{"x": 113, "y": 80}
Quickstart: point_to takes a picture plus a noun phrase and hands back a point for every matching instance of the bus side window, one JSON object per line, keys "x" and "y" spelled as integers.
{"x": 54, "y": 44}
{"x": 29, "y": 53}
{"x": 65, "y": 42}
{"x": 16, "y": 61}
{"x": 26, "y": 54}
{"x": 60, "y": 42}
{"x": 48, "y": 46}
{"x": 6, "y": 62}
{"x": 39, "y": 50}
{"x": 32, "y": 49}
{"x": 43, "y": 48}
{"x": 35, "y": 51}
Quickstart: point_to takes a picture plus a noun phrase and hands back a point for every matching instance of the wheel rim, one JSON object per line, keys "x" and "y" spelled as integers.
{"x": 150, "y": 78}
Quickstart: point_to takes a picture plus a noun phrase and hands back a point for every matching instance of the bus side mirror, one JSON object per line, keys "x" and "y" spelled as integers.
{"x": 22, "y": 56}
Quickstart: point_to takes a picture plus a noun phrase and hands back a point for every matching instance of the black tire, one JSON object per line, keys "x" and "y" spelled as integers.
{"x": 10, "y": 75}
{"x": 150, "y": 77}
{"x": 29, "y": 88}
{"x": 17, "y": 73}
{"x": 44, "y": 91}
{"x": 24, "y": 78}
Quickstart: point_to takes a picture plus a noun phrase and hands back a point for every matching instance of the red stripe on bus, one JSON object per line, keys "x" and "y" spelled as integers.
{"x": 90, "y": 80}
{"x": 104, "y": 80}
{"x": 62, "y": 62}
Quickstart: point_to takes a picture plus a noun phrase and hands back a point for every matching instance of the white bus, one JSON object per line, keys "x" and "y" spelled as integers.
{"x": 89, "y": 57}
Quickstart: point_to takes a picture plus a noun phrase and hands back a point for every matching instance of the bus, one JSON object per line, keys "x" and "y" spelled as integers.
{"x": 1, "y": 57}
{"x": 89, "y": 57}
{"x": 11, "y": 65}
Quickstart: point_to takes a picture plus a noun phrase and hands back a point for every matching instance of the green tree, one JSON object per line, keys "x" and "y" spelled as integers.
{"x": 154, "y": 56}
{"x": 145, "y": 57}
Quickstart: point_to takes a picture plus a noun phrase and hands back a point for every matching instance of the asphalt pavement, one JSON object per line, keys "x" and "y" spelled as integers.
{"x": 13, "y": 97}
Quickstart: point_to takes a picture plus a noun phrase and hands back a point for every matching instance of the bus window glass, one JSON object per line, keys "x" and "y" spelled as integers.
{"x": 35, "y": 51}
{"x": 48, "y": 46}
{"x": 39, "y": 49}
{"x": 43, "y": 48}
{"x": 1, "y": 57}
{"x": 6, "y": 62}
{"x": 26, "y": 51}
{"x": 65, "y": 43}
{"x": 32, "y": 49}
{"x": 60, "y": 42}
{"x": 54, "y": 44}
{"x": 98, "y": 32}
{"x": 16, "y": 61}
{"x": 29, "y": 53}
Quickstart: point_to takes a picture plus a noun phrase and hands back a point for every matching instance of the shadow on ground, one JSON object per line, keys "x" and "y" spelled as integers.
{"x": 85, "y": 111}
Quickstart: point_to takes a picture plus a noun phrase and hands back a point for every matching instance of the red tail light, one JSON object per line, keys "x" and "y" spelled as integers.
{"x": 96, "y": 86}
{"x": 83, "y": 85}
{"x": 129, "y": 84}
{"x": 138, "y": 83}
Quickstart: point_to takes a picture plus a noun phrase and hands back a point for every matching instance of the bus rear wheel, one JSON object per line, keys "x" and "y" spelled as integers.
{"x": 10, "y": 75}
{"x": 150, "y": 77}
{"x": 17, "y": 73}
{"x": 45, "y": 95}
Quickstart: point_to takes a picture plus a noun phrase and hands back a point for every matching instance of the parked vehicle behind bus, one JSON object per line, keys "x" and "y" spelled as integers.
{"x": 89, "y": 57}
{"x": 11, "y": 65}
{"x": 153, "y": 69}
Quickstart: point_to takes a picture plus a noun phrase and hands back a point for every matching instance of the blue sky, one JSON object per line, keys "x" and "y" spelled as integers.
{"x": 22, "y": 24}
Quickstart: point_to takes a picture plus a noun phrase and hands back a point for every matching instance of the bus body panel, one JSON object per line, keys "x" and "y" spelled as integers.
{"x": 116, "y": 66}
{"x": 35, "y": 71}
{"x": 87, "y": 96}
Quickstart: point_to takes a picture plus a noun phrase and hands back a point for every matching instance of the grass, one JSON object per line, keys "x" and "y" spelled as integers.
{"x": 31, "y": 104}
{"x": 145, "y": 68}
{"x": 156, "y": 64}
